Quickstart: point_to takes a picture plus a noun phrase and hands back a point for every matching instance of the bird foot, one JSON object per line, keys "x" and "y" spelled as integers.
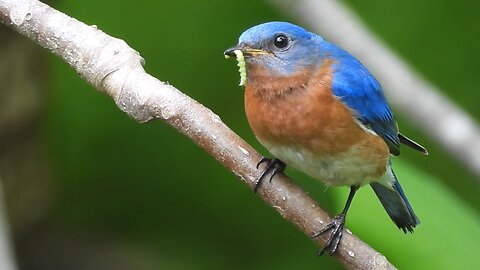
{"x": 274, "y": 166}
{"x": 337, "y": 231}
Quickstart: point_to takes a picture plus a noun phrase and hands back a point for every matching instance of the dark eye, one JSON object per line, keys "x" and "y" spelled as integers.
{"x": 281, "y": 41}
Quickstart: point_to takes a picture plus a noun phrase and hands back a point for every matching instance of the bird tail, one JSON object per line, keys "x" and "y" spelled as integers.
{"x": 411, "y": 143}
{"x": 396, "y": 203}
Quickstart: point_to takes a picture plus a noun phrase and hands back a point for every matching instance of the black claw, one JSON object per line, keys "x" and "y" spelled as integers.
{"x": 337, "y": 226}
{"x": 263, "y": 160}
{"x": 337, "y": 232}
{"x": 274, "y": 166}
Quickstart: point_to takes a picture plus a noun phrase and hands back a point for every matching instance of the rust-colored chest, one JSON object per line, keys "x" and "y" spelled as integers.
{"x": 313, "y": 120}
{"x": 301, "y": 114}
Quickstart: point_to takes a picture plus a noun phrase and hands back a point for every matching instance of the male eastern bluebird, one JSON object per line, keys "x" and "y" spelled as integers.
{"x": 317, "y": 108}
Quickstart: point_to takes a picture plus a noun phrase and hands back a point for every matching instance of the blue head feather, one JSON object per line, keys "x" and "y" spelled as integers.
{"x": 265, "y": 32}
{"x": 302, "y": 51}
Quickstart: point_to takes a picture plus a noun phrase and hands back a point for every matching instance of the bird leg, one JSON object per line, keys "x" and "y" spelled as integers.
{"x": 336, "y": 226}
{"x": 274, "y": 166}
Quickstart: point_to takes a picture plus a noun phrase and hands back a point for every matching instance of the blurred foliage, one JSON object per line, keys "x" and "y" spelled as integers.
{"x": 148, "y": 186}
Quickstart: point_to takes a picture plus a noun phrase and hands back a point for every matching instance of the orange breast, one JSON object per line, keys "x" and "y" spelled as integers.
{"x": 301, "y": 111}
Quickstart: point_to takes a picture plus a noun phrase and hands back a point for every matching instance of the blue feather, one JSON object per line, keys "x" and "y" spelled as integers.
{"x": 355, "y": 86}
{"x": 396, "y": 203}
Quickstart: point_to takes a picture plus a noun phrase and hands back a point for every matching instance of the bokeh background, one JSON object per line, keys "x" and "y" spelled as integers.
{"x": 88, "y": 188}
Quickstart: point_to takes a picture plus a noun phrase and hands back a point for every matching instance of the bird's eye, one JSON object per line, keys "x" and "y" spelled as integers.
{"x": 281, "y": 42}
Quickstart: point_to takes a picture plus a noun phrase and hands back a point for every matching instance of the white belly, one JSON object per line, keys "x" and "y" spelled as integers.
{"x": 344, "y": 169}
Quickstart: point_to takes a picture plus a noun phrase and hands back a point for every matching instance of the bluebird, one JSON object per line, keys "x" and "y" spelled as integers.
{"x": 318, "y": 109}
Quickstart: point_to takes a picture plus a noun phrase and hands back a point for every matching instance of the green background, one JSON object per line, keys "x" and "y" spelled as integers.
{"x": 168, "y": 205}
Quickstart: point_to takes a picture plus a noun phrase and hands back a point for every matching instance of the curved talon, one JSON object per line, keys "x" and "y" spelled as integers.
{"x": 263, "y": 160}
{"x": 274, "y": 166}
{"x": 337, "y": 225}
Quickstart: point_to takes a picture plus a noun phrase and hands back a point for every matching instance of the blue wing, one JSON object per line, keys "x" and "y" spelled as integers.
{"x": 355, "y": 86}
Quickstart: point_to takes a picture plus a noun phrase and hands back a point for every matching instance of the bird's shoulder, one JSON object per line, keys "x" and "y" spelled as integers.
{"x": 358, "y": 89}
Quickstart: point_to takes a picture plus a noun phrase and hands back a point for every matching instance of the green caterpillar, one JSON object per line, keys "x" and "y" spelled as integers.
{"x": 242, "y": 69}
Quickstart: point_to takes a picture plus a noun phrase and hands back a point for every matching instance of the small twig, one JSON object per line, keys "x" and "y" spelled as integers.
{"x": 114, "y": 68}
{"x": 433, "y": 113}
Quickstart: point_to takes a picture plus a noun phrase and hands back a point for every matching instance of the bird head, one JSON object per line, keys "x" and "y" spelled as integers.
{"x": 279, "y": 48}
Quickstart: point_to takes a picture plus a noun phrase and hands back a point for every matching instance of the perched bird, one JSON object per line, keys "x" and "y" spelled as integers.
{"x": 317, "y": 108}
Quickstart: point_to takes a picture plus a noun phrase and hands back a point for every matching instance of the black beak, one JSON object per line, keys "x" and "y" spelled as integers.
{"x": 246, "y": 50}
{"x": 231, "y": 51}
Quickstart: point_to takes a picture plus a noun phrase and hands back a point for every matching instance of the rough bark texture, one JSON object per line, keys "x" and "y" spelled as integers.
{"x": 112, "y": 67}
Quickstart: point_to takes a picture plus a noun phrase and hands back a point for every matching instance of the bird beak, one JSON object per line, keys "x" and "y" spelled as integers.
{"x": 247, "y": 51}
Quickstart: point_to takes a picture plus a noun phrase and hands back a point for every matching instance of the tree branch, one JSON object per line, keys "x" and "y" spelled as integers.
{"x": 442, "y": 120}
{"x": 114, "y": 68}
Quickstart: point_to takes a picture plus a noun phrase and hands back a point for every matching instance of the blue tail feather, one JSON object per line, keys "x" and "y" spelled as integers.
{"x": 396, "y": 204}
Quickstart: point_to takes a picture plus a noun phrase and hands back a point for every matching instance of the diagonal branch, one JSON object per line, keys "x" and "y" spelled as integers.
{"x": 442, "y": 120}
{"x": 114, "y": 68}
